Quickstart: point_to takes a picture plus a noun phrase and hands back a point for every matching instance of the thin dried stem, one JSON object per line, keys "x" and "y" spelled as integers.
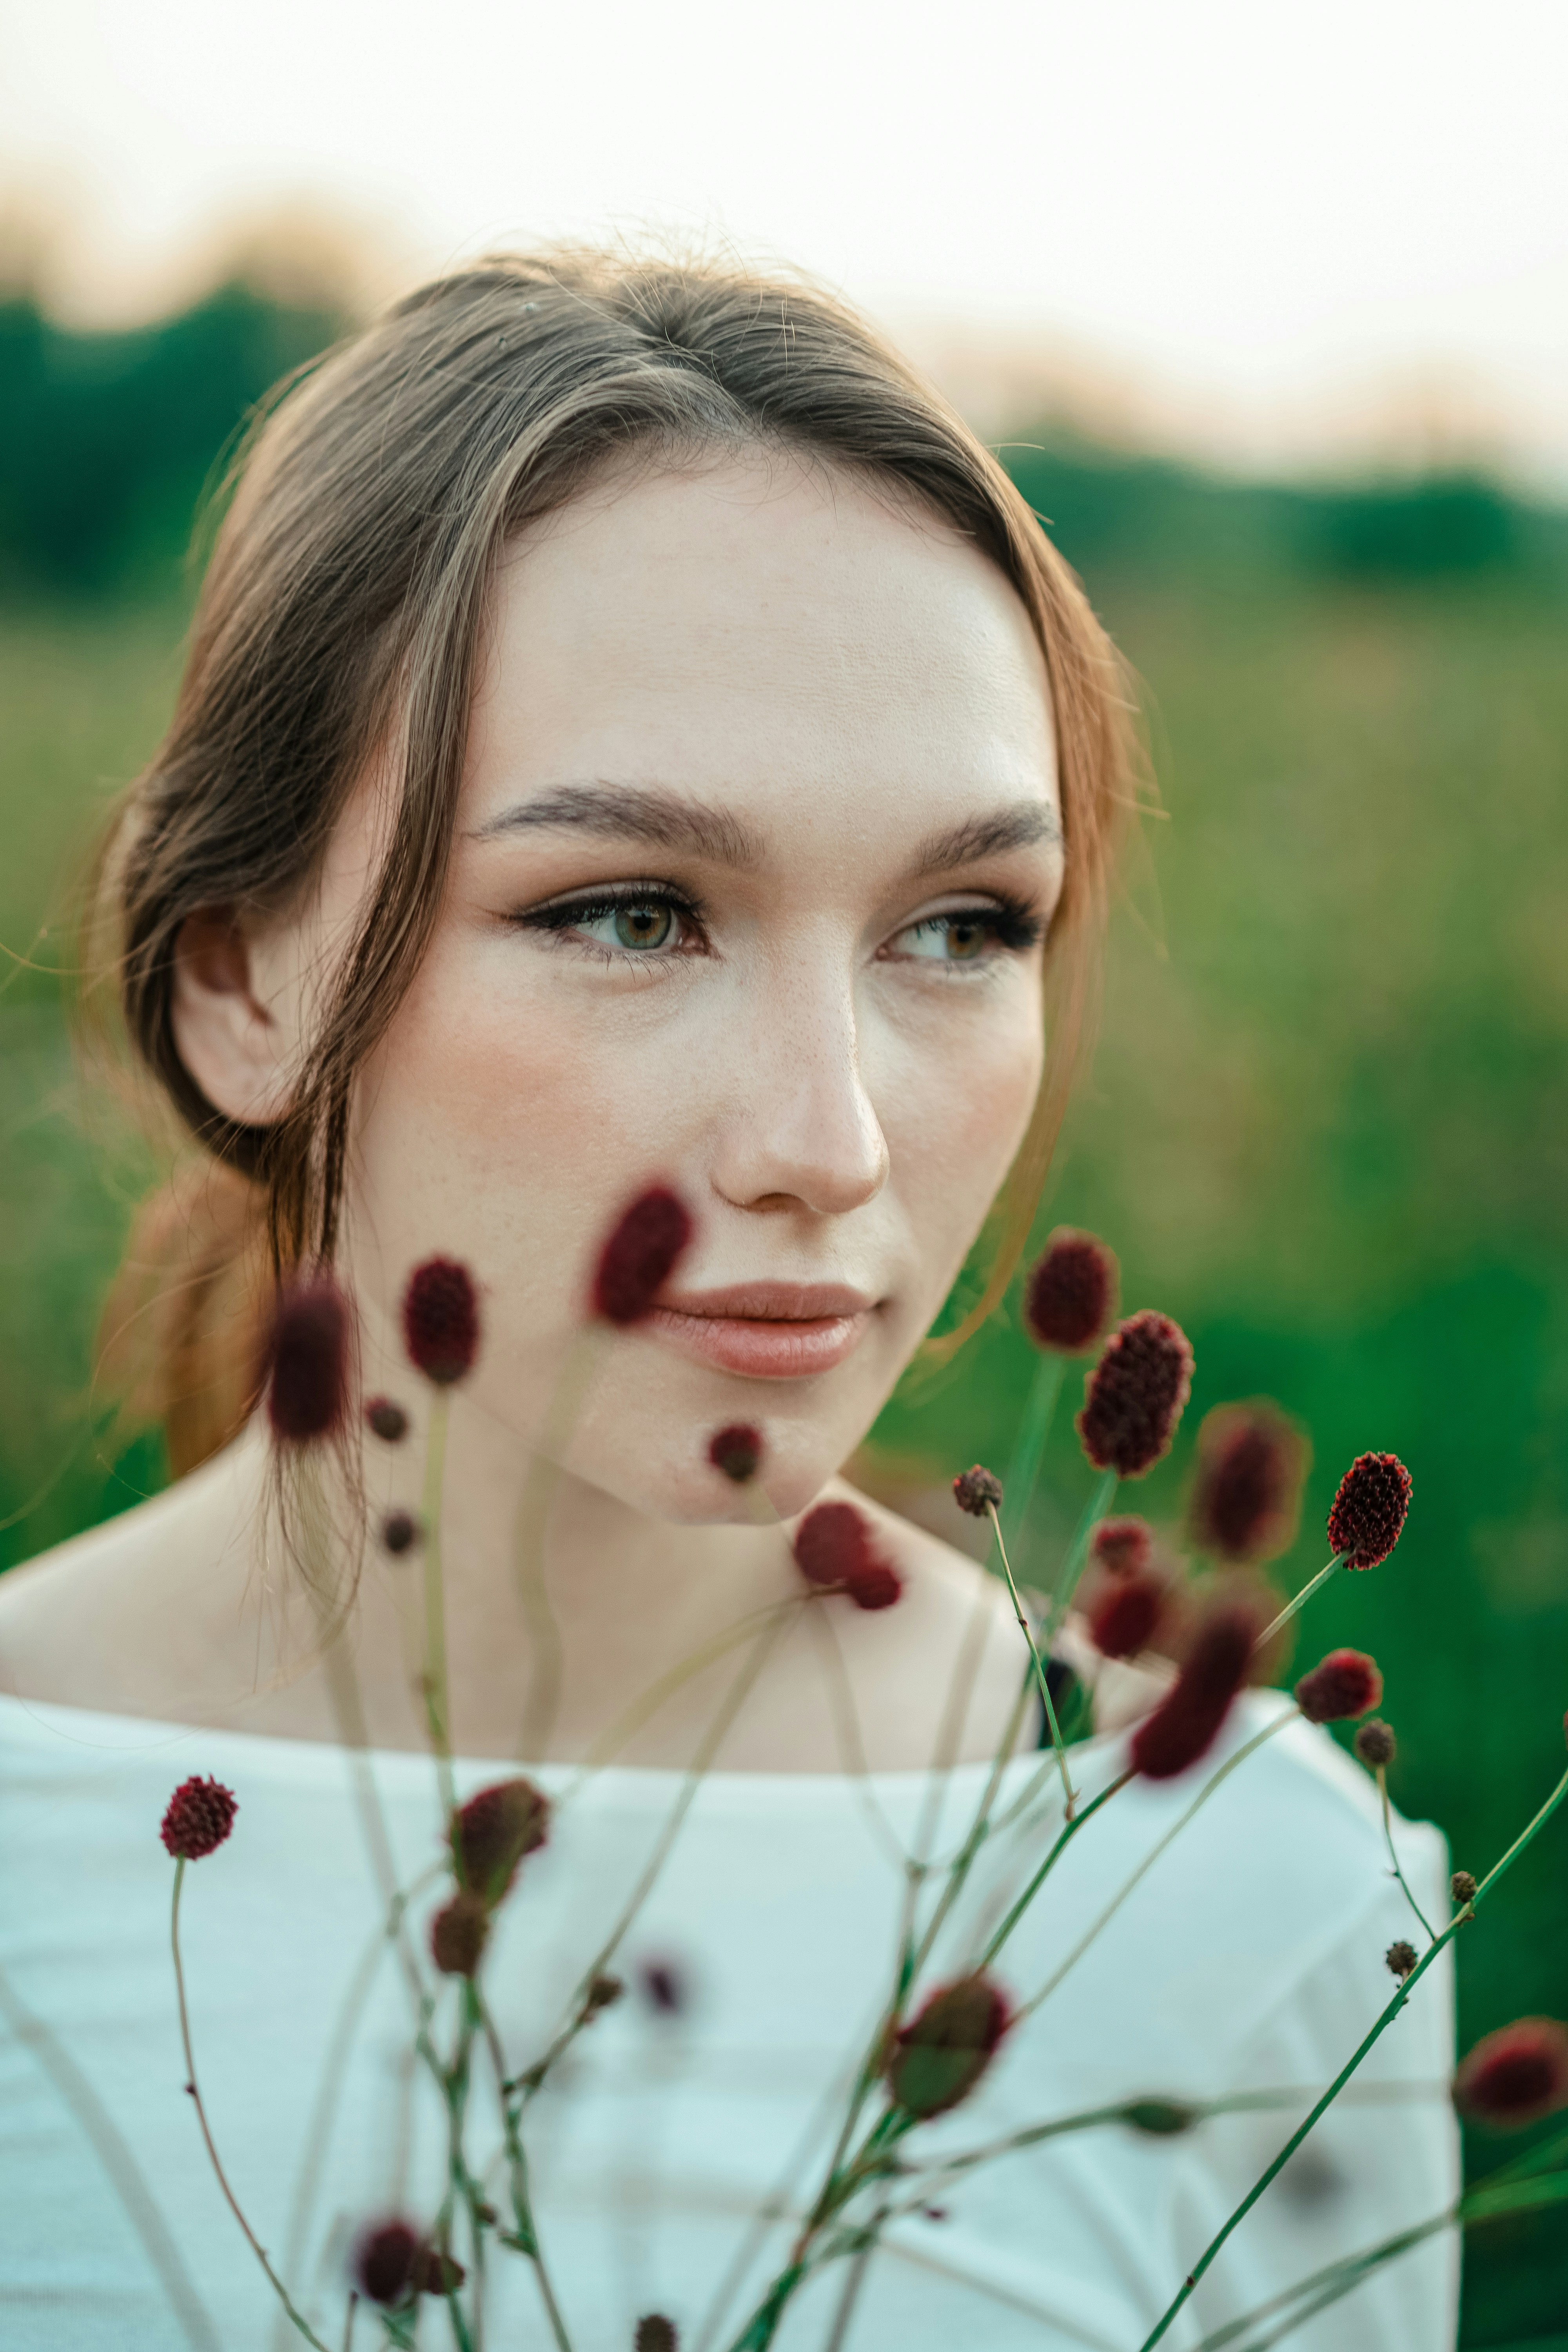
{"x": 1291, "y": 1607}
{"x": 1394, "y": 1857}
{"x": 1040, "y": 1678}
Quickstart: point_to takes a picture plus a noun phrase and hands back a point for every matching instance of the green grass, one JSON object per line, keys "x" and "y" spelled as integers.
{"x": 1327, "y": 1128}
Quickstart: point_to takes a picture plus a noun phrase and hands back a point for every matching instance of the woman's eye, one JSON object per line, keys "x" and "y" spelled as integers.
{"x": 949, "y": 939}
{"x": 633, "y": 924}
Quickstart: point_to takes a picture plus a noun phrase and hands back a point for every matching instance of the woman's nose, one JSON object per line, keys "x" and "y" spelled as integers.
{"x": 801, "y": 1130}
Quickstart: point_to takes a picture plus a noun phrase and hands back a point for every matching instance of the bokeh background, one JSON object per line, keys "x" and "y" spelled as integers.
{"x": 1275, "y": 331}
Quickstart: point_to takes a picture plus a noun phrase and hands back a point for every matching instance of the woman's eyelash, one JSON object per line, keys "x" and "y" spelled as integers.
{"x": 1011, "y": 922}
{"x": 566, "y": 914}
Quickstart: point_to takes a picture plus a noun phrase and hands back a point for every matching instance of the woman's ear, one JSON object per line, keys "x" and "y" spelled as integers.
{"x": 231, "y": 1042}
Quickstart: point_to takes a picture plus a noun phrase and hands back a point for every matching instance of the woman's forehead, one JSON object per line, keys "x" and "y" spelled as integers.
{"x": 756, "y": 632}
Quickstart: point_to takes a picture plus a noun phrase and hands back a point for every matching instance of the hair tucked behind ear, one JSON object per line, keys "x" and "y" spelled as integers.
{"x": 342, "y": 616}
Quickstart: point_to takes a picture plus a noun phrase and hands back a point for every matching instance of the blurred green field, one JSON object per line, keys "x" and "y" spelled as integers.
{"x": 1327, "y": 1126}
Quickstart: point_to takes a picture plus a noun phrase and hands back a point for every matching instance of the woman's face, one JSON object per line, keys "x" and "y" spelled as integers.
{"x": 757, "y": 844}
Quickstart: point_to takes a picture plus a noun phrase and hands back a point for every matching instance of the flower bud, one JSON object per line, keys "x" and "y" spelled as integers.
{"x": 940, "y": 2055}
{"x": 640, "y": 1256}
{"x": 1369, "y": 1510}
{"x": 198, "y": 1818}
{"x": 1187, "y": 1720}
{"x": 441, "y": 1320}
{"x": 1251, "y": 1462}
{"x": 384, "y": 2260}
{"x": 1346, "y": 1683}
{"x": 1514, "y": 2076}
{"x": 1399, "y": 1959}
{"x": 400, "y": 1531}
{"x": 308, "y": 1360}
{"x": 387, "y": 1421}
{"x": 1124, "y": 1614}
{"x": 1135, "y": 1394}
{"x": 491, "y": 1834}
{"x": 1462, "y": 1888}
{"x": 656, "y": 2334}
{"x": 834, "y": 1550}
{"x": 737, "y": 1451}
{"x": 977, "y": 1491}
{"x": 1376, "y": 1744}
{"x": 1163, "y": 2118}
{"x": 458, "y": 1934}
{"x": 1122, "y": 1547}
{"x": 1069, "y": 1293}
{"x": 602, "y": 1993}
{"x": 436, "y": 2273}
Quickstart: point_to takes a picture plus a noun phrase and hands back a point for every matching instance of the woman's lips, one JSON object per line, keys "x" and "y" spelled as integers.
{"x": 767, "y": 1330}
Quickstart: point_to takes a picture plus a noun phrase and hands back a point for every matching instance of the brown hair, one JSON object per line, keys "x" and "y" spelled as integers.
{"x": 342, "y": 610}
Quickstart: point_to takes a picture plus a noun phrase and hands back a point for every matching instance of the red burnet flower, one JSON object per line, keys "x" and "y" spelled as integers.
{"x": 939, "y": 2057}
{"x": 1187, "y": 1720}
{"x": 1122, "y": 1547}
{"x": 1369, "y": 1510}
{"x": 1124, "y": 1614}
{"x": 977, "y": 1491}
{"x": 1516, "y": 2075}
{"x": 1069, "y": 1292}
{"x": 1251, "y": 1463}
{"x": 736, "y": 1450}
{"x": 1376, "y": 1744}
{"x": 458, "y": 1934}
{"x": 400, "y": 1531}
{"x": 835, "y": 1551}
{"x": 640, "y": 1255}
{"x": 383, "y": 2265}
{"x": 1135, "y": 1394}
{"x": 656, "y": 2334}
{"x": 386, "y": 1420}
{"x": 441, "y": 1320}
{"x": 308, "y": 1360}
{"x": 198, "y": 1818}
{"x": 1346, "y": 1683}
{"x": 491, "y": 1834}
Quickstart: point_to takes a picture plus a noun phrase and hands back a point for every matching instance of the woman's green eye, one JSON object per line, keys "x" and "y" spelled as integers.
{"x": 949, "y": 939}
{"x": 643, "y": 926}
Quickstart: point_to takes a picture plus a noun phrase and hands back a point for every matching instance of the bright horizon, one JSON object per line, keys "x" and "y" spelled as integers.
{"x": 1217, "y": 232}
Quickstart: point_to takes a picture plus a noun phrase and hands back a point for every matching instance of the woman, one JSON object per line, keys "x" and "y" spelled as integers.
{"x": 633, "y": 736}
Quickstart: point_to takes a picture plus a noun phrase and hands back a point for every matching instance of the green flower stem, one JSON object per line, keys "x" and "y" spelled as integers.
{"x": 1045, "y": 1688}
{"x": 1291, "y": 1607}
{"x": 434, "y": 1675}
{"x": 1071, "y": 1568}
{"x": 526, "y": 2230}
{"x": 194, "y": 2088}
{"x": 1152, "y": 1856}
{"x": 1407, "y": 1986}
{"x": 578, "y": 1369}
{"x": 1029, "y": 1451}
{"x": 1068, "y": 1832}
{"x": 1394, "y": 1857}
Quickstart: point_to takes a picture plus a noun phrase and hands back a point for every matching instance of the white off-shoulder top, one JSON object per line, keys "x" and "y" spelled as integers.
{"x": 671, "y": 2154}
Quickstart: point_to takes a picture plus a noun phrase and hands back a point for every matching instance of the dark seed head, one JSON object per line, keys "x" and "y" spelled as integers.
{"x": 400, "y": 1531}
{"x": 977, "y": 1491}
{"x": 384, "y": 2260}
{"x": 308, "y": 1360}
{"x": 1515, "y": 2076}
{"x": 1462, "y": 1888}
{"x": 662, "y": 1983}
{"x": 199, "y": 1817}
{"x": 940, "y": 2055}
{"x": 1399, "y": 1959}
{"x": 1251, "y": 1462}
{"x": 1163, "y": 2117}
{"x": 1369, "y": 1509}
{"x": 656, "y": 2334}
{"x": 1187, "y": 1720}
{"x": 441, "y": 1320}
{"x": 1346, "y": 1683}
{"x": 1125, "y": 1613}
{"x": 737, "y": 1451}
{"x": 640, "y": 1256}
{"x": 491, "y": 1834}
{"x": 387, "y": 1421}
{"x": 1135, "y": 1394}
{"x": 436, "y": 2273}
{"x": 1375, "y": 1743}
{"x": 602, "y": 1993}
{"x": 458, "y": 1934}
{"x": 1069, "y": 1294}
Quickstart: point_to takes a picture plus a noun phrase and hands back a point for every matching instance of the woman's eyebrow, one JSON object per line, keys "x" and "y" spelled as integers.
{"x": 642, "y": 812}
{"x": 1016, "y": 824}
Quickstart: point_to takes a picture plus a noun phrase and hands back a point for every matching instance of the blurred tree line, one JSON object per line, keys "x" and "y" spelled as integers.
{"x": 1327, "y": 1126}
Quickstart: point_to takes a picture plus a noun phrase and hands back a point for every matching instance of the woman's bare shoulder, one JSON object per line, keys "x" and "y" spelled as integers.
{"x": 111, "y": 1618}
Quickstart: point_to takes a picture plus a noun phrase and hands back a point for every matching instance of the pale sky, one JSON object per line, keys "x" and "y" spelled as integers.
{"x": 1276, "y": 227}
